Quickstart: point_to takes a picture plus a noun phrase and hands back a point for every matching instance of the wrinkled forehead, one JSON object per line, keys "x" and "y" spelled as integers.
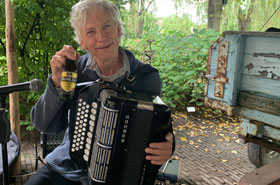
{"x": 100, "y": 13}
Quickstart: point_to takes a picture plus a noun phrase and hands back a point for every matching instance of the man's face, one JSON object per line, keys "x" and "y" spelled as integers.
{"x": 101, "y": 36}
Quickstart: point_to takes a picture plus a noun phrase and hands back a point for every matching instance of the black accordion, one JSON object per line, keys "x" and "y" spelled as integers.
{"x": 111, "y": 131}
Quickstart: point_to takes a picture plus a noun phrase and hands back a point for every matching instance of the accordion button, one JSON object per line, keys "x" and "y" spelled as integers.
{"x": 89, "y": 135}
{"x": 87, "y": 146}
{"x": 91, "y": 128}
{"x": 81, "y": 147}
{"x": 92, "y": 117}
{"x": 91, "y": 123}
{"x": 94, "y": 105}
{"x": 93, "y": 111}
{"x": 88, "y": 140}
{"x": 85, "y": 158}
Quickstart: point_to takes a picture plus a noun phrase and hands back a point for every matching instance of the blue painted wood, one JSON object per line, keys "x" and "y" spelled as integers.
{"x": 260, "y": 85}
{"x": 245, "y": 70}
{"x": 250, "y": 114}
{"x": 247, "y": 127}
{"x": 262, "y": 44}
{"x": 230, "y": 90}
{"x": 253, "y": 67}
{"x": 257, "y": 66}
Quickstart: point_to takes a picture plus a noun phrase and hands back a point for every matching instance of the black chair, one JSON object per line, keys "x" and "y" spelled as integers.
{"x": 48, "y": 143}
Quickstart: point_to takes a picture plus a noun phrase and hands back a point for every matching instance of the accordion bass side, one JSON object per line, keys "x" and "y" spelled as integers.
{"x": 111, "y": 132}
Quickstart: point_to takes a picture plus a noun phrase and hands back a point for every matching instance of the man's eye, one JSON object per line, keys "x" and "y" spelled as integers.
{"x": 90, "y": 32}
{"x": 107, "y": 26}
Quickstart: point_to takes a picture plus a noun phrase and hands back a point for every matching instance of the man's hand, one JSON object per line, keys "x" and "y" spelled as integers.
{"x": 58, "y": 61}
{"x": 158, "y": 153}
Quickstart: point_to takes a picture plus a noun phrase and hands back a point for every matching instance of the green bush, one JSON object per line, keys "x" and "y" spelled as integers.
{"x": 180, "y": 59}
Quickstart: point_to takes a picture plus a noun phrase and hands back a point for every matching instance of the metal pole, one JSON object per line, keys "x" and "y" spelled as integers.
{"x": 5, "y": 164}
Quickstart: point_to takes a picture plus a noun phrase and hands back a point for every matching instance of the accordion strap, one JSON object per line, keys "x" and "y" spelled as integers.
{"x": 139, "y": 73}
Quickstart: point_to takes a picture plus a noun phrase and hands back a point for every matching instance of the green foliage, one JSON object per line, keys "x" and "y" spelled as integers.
{"x": 28, "y": 125}
{"x": 262, "y": 11}
{"x": 182, "y": 24}
{"x": 180, "y": 59}
{"x": 41, "y": 28}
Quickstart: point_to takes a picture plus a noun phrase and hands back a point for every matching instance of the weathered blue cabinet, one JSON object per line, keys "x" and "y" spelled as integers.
{"x": 243, "y": 77}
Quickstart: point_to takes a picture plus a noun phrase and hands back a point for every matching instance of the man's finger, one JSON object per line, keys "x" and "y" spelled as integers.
{"x": 169, "y": 137}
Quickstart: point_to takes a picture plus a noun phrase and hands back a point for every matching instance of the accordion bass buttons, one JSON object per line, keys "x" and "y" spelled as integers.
{"x": 92, "y": 117}
{"x": 94, "y": 105}
{"x": 85, "y": 157}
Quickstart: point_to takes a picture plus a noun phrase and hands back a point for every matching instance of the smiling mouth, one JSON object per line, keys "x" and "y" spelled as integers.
{"x": 105, "y": 47}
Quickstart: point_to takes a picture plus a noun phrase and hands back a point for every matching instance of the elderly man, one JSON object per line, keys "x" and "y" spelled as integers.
{"x": 98, "y": 30}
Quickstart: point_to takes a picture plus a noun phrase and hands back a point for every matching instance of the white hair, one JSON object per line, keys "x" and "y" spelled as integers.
{"x": 79, "y": 13}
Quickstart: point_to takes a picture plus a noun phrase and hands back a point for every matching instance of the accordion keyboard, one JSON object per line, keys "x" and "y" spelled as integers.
{"x": 83, "y": 131}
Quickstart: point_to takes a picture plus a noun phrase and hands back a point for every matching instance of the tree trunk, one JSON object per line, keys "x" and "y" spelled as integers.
{"x": 244, "y": 19}
{"x": 12, "y": 74}
{"x": 133, "y": 19}
{"x": 141, "y": 14}
{"x": 214, "y": 14}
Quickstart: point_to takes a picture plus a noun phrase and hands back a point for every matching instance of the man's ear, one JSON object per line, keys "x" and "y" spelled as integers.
{"x": 119, "y": 31}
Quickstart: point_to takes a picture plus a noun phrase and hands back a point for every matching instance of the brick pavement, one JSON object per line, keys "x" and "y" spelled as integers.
{"x": 210, "y": 152}
{"x": 28, "y": 163}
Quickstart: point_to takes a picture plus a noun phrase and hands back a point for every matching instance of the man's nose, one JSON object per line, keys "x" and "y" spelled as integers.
{"x": 101, "y": 35}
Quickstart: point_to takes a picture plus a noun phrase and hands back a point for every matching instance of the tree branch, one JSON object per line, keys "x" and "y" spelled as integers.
{"x": 3, "y": 45}
{"x": 35, "y": 23}
{"x": 149, "y": 5}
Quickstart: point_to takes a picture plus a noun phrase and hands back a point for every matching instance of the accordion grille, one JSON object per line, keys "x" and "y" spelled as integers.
{"x": 103, "y": 144}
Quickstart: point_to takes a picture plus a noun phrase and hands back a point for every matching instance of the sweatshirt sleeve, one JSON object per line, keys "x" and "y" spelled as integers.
{"x": 48, "y": 114}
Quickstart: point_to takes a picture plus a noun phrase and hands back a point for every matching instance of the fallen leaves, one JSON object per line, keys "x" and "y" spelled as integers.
{"x": 211, "y": 122}
{"x": 192, "y": 130}
{"x": 184, "y": 139}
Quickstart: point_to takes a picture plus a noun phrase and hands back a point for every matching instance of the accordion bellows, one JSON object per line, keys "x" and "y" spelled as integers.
{"x": 111, "y": 131}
